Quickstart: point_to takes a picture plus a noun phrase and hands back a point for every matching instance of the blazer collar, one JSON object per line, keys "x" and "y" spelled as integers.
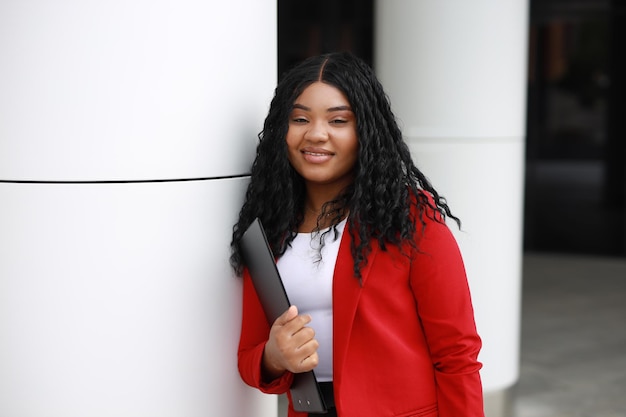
{"x": 346, "y": 293}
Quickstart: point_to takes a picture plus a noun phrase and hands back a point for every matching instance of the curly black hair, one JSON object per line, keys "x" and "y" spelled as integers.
{"x": 387, "y": 184}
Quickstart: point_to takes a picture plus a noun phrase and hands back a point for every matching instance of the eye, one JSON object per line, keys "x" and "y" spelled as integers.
{"x": 299, "y": 120}
{"x": 338, "y": 121}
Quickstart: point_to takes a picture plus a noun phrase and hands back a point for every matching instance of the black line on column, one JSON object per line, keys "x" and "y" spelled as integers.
{"x": 124, "y": 181}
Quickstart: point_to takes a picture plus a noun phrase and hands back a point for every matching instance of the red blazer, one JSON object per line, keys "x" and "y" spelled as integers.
{"x": 404, "y": 343}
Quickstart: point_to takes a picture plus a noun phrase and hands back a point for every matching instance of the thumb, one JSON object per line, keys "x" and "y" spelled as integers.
{"x": 287, "y": 316}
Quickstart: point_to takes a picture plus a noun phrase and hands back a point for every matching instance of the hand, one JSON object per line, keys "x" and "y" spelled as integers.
{"x": 291, "y": 345}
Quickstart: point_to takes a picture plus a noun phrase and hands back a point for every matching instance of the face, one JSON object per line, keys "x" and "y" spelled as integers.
{"x": 322, "y": 138}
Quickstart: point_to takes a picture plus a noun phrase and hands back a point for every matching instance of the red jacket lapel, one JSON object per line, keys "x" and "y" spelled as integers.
{"x": 346, "y": 293}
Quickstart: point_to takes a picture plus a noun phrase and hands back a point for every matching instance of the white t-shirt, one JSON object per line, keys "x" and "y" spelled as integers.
{"x": 308, "y": 281}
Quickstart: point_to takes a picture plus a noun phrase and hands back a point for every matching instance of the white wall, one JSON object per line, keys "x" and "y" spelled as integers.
{"x": 116, "y": 297}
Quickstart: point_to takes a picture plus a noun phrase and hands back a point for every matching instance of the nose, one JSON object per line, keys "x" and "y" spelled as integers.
{"x": 316, "y": 132}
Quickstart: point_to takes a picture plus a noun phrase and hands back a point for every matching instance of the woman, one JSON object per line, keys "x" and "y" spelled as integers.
{"x": 381, "y": 307}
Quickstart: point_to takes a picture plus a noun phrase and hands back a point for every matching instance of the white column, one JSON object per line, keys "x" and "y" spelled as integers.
{"x": 127, "y": 129}
{"x": 456, "y": 76}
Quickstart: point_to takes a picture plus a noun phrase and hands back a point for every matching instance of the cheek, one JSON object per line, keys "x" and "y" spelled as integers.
{"x": 290, "y": 138}
{"x": 353, "y": 146}
{"x": 355, "y": 158}
{"x": 291, "y": 147}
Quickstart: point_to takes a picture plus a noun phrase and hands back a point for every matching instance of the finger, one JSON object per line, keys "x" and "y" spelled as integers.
{"x": 292, "y": 353}
{"x": 308, "y": 363}
{"x": 302, "y": 336}
{"x": 287, "y": 316}
{"x": 296, "y": 324}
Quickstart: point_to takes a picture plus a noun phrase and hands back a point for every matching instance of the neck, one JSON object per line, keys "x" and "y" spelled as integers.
{"x": 318, "y": 195}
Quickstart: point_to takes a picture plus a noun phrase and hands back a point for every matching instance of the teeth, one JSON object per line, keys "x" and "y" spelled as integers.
{"x": 315, "y": 154}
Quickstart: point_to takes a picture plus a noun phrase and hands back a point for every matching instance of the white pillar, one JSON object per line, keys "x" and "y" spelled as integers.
{"x": 126, "y": 133}
{"x": 456, "y": 76}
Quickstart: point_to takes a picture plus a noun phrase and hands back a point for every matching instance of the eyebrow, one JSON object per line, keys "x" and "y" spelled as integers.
{"x": 329, "y": 110}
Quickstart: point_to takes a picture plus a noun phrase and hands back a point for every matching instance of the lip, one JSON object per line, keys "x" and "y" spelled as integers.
{"x": 316, "y": 155}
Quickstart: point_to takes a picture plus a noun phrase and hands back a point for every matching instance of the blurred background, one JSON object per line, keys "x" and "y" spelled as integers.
{"x": 576, "y": 146}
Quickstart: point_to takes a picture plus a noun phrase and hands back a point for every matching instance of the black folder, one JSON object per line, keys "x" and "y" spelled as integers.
{"x": 305, "y": 392}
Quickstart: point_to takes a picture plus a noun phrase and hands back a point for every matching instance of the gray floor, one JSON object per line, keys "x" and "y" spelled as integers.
{"x": 573, "y": 352}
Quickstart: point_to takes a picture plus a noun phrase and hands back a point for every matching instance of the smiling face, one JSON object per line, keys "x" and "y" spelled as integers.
{"x": 322, "y": 138}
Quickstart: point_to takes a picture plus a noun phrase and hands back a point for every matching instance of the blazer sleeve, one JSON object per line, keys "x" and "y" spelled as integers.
{"x": 254, "y": 334}
{"x": 442, "y": 294}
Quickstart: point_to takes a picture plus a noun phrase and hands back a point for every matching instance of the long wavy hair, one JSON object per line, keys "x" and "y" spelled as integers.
{"x": 387, "y": 185}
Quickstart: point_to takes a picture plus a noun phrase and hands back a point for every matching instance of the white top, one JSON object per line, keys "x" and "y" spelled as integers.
{"x": 308, "y": 281}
